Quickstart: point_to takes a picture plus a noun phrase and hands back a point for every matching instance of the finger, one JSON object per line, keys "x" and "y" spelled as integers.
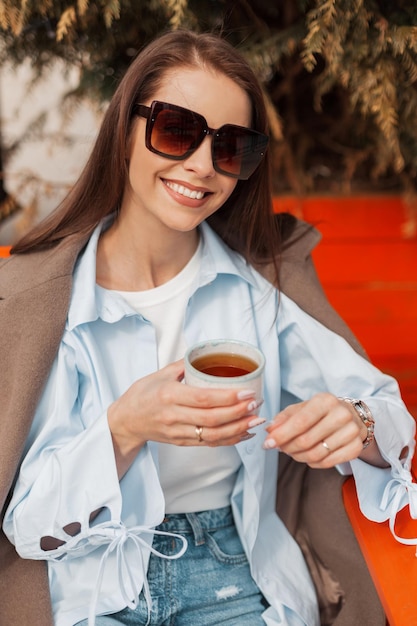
{"x": 211, "y": 441}
{"x": 324, "y": 459}
{"x": 334, "y": 430}
{"x": 297, "y": 430}
{"x": 174, "y": 371}
{"x": 286, "y": 414}
{"x": 213, "y": 437}
{"x": 241, "y": 430}
{"x": 342, "y": 446}
{"x": 322, "y": 446}
{"x": 206, "y": 397}
{"x": 297, "y": 418}
{"x": 315, "y": 421}
{"x": 228, "y": 434}
{"x": 203, "y": 407}
{"x": 308, "y": 418}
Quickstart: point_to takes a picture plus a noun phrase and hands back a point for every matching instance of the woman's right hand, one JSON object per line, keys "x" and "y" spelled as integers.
{"x": 159, "y": 407}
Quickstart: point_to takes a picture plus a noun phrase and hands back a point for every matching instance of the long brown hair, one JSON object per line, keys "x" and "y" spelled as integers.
{"x": 245, "y": 222}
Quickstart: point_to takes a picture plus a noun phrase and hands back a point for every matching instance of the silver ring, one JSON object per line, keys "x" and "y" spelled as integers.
{"x": 199, "y": 432}
{"x": 326, "y": 445}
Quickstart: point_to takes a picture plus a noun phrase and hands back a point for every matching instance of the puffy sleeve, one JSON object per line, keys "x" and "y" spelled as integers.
{"x": 326, "y": 362}
{"x": 69, "y": 473}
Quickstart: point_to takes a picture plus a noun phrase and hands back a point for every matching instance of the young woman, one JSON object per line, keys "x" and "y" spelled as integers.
{"x": 154, "y": 502}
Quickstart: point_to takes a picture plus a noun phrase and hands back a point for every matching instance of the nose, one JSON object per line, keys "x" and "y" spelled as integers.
{"x": 201, "y": 161}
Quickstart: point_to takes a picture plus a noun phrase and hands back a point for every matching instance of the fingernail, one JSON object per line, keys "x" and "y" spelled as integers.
{"x": 269, "y": 444}
{"x": 245, "y": 393}
{"x": 256, "y": 422}
{"x": 255, "y": 404}
{"x": 247, "y": 436}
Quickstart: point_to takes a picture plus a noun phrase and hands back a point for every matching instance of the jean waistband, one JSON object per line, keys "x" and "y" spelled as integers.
{"x": 197, "y": 523}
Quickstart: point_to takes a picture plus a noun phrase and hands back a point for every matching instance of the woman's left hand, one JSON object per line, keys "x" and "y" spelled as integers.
{"x": 322, "y": 432}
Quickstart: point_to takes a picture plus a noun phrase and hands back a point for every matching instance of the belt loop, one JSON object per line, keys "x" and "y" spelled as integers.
{"x": 197, "y": 528}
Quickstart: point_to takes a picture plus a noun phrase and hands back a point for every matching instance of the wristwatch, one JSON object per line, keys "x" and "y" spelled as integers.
{"x": 365, "y": 414}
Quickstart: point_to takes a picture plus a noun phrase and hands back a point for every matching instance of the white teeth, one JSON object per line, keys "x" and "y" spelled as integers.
{"x": 184, "y": 191}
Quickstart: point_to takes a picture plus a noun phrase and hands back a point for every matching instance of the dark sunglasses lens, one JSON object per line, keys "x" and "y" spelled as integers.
{"x": 174, "y": 132}
{"x": 238, "y": 151}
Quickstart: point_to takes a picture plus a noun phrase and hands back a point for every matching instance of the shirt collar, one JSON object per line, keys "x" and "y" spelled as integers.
{"x": 90, "y": 302}
{"x": 218, "y": 258}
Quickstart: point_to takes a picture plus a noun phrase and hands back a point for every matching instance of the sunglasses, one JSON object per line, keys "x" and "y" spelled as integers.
{"x": 175, "y": 133}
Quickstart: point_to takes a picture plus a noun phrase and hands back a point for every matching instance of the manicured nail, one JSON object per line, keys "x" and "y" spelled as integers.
{"x": 255, "y": 404}
{"x": 256, "y": 422}
{"x": 247, "y": 436}
{"x": 269, "y": 444}
{"x": 245, "y": 393}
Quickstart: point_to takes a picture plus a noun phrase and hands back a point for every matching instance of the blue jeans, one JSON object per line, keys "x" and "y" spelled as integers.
{"x": 209, "y": 585}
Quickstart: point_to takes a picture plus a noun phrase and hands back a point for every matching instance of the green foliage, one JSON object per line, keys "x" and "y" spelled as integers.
{"x": 340, "y": 76}
{"x": 370, "y": 52}
{"x": 98, "y": 37}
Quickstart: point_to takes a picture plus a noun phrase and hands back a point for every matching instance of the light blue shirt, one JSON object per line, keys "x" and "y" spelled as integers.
{"x": 69, "y": 470}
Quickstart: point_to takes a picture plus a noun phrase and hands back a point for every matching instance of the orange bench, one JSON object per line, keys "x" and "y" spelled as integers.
{"x": 393, "y": 566}
{"x": 367, "y": 263}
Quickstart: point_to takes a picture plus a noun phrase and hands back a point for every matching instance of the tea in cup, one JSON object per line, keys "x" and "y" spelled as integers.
{"x": 225, "y": 363}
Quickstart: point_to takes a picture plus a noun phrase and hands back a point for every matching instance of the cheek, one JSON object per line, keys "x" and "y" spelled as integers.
{"x": 135, "y": 141}
{"x": 141, "y": 165}
{"x": 133, "y": 152}
{"x": 228, "y": 187}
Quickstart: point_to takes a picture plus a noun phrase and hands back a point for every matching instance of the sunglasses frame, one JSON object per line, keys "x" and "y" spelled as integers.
{"x": 150, "y": 113}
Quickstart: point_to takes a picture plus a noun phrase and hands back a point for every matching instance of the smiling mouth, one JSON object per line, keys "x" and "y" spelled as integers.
{"x": 194, "y": 194}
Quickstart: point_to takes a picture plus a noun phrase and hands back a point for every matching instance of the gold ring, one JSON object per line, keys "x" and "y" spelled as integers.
{"x": 326, "y": 445}
{"x": 199, "y": 432}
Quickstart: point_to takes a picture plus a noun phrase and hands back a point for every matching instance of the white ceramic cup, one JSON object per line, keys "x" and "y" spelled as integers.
{"x": 225, "y": 353}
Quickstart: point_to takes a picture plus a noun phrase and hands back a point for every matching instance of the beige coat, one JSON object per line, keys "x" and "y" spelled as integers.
{"x": 35, "y": 290}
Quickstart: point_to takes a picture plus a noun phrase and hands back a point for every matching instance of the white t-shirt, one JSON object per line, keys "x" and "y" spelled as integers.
{"x": 192, "y": 478}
